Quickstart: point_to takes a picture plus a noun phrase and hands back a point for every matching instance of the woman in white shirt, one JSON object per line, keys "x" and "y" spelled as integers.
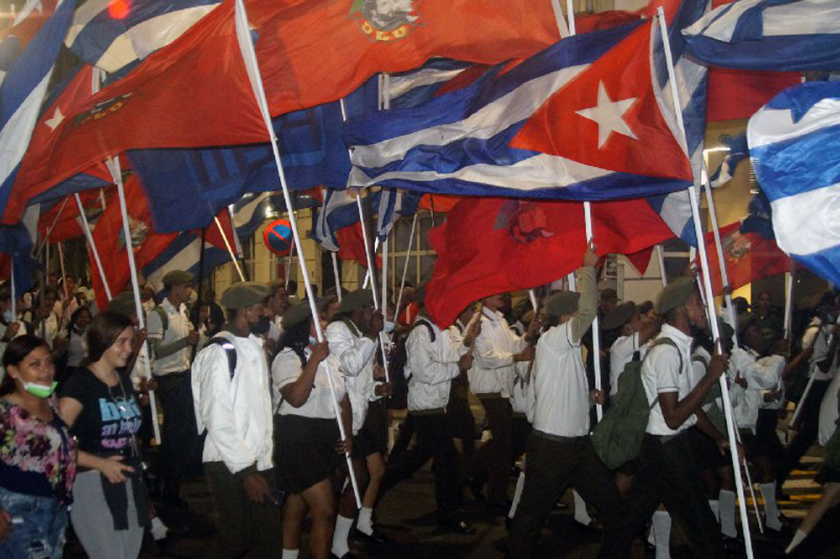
{"x": 309, "y": 390}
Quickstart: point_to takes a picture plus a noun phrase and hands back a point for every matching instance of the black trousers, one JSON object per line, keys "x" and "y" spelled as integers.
{"x": 668, "y": 474}
{"x": 521, "y": 431}
{"x": 492, "y": 461}
{"x": 433, "y": 440}
{"x": 808, "y": 434}
{"x": 461, "y": 420}
{"x": 181, "y": 444}
{"x": 554, "y": 466}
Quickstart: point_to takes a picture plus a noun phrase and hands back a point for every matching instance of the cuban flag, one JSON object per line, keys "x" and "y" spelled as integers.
{"x": 579, "y": 120}
{"x": 23, "y": 91}
{"x": 795, "y": 35}
{"x": 111, "y": 34}
{"x": 794, "y": 143}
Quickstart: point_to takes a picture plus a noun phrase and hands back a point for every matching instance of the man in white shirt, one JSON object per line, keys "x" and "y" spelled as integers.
{"x": 497, "y": 350}
{"x": 434, "y": 358}
{"x": 171, "y": 336}
{"x": 633, "y": 336}
{"x": 668, "y": 473}
{"x": 559, "y": 451}
{"x": 234, "y": 406}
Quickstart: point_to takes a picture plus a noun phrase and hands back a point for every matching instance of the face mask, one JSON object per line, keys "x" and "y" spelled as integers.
{"x": 389, "y": 327}
{"x": 40, "y": 390}
{"x": 313, "y": 340}
{"x": 7, "y": 316}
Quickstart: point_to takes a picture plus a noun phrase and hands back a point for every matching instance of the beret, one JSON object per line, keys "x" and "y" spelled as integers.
{"x": 740, "y": 304}
{"x": 244, "y": 294}
{"x": 296, "y": 314}
{"x": 674, "y": 294}
{"x": 123, "y": 304}
{"x": 617, "y": 317}
{"x": 744, "y": 321}
{"x": 559, "y": 304}
{"x": 609, "y": 293}
{"x": 726, "y": 331}
{"x": 355, "y": 300}
{"x": 177, "y": 277}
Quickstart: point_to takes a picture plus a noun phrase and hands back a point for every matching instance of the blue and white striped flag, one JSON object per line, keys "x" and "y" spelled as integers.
{"x": 111, "y": 41}
{"x": 795, "y": 35}
{"x": 795, "y": 147}
{"x": 24, "y": 88}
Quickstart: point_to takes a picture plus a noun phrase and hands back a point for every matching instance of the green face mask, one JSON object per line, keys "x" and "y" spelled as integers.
{"x": 40, "y": 390}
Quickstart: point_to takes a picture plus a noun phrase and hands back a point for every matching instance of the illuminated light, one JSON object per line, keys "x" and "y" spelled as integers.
{"x": 118, "y": 9}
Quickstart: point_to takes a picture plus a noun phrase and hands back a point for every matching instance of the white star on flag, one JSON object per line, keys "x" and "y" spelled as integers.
{"x": 609, "y": 116}
{"x": 56, "y": 119}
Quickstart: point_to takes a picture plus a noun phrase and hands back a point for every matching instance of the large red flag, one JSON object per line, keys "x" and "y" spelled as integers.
{"x": 491, "y": 245}
{"x": 737, "y": 94}
{"x": 748, "y": 256}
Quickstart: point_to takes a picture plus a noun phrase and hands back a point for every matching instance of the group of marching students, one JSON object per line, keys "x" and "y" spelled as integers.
{"x": 288, "y": 416}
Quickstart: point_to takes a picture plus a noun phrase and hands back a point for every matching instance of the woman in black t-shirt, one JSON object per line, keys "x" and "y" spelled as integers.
{"x": 99, "y": 404}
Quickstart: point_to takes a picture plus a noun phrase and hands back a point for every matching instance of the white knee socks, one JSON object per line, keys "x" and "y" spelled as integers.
{"x": 727, "y": 513}
{"x": 581, "y": 514}
{"x": 772, "y": 516}
{"x": 340, "y": 545}
{"x": 365, "y": 523}
{"x": 662, "y": 533}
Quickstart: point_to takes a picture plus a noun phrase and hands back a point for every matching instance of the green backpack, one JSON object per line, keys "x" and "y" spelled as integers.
{"x": 618, "y": 436}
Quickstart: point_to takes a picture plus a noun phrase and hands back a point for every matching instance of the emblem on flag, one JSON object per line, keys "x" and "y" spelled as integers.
{"x": 385, "y": 20}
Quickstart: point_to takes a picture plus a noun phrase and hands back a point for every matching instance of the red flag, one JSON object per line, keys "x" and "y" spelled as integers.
{"x": 69, "y": 224}
{"x": 351, "y": 245}
{"x": 194, "y": 92}
{"x": 737, "y": 94}
{"x": 110, "y": 241}
{"x": 748, "y": 257}
{"x": 492, "y": 245}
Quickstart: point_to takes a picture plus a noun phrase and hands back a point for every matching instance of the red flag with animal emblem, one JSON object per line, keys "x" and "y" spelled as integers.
{"x": 748, "y": 257}
{"x": 493, "y": 245}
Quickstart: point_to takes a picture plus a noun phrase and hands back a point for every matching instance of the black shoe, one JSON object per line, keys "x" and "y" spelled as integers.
{"x": 348, "y": 555}
{"x": 499, "y": 509}
{"x": 733, "y": 546}
{"x": 589, "y": 529}
{"x": 457, "y": 527}
{"x": 173, "y": 535}
{"x": 376, "y": 538}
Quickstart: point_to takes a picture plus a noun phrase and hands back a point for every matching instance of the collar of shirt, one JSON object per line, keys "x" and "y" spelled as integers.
{"x": 677, "y": 335}
{"x": 495, "y": 316}
{"x": 169, "y": 307}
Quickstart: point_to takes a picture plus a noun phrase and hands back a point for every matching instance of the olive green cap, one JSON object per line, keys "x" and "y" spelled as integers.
{"x": 244, "y": 294}
{"x": 123, "y": 304}
{"x": 562, "y": 303}
{"x": 674, "y": 295}
{"x": 355, "y": 300}
{"x": 726, "y": 331}
{"x": 296, "y": 314}
{"x": 177, "y": 277}
{"x": 617, "y": 317}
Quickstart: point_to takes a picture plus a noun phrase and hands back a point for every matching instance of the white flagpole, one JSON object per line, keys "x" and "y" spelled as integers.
{"x": 385, "y": 282}
{"x": 704, "y": 261}
{"x": 113, "y": 165}
{"x": 93, "y": 248}
{"x": 63, "y": 273}
{"x": 228, "y": 247}
{"x": 12, "y": 286}
{"x": 236, "y": 243}
{"x": 288, "y": 268}
{"x": 660, "y": 255}
{"x": 587, "y": 213}
{"x": 250, "y": 58}
{"x": 334, "y": 257}
{"x": 405, "y": 265}
{"x": 50, "y": 230}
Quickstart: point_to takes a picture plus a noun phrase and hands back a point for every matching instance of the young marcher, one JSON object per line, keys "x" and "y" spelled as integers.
{"x": 497, "y": 350}
{"x": 307, "y": 383}
{"x": 559, "y": 452}
{"x": 230, "y": 383}
{"x": 667, "y": 470}
{"x": 352, "y": 339}
{"x": 435, "y": 357}
{"x": 171, "y": 336}
{"x": 37, "y": 457}
{"x": 99, "y": 403}
{"x": 461, "y": 418}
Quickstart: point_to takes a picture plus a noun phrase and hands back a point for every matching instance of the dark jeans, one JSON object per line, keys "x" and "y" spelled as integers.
{"x": 433, "y": 441}
{"x": 492, "y": 461}
{"x": 668, "y": 474}
{"x": 808, "y": 434}
{"x": 461, "y": 420}
{"x": 246, "y": 529}
{"x": 38, "y": 525}
{"x": 181, "y": 444}
{"x": 552, "y": 467}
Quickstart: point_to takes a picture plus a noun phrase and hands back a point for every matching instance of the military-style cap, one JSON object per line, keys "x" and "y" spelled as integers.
{"x": 177, "y": 277}
{"x": 608, "y": 294}
{"x": 123, "y": 304}
{"x": 562, "y": 303}
{"x": 296, "y": 314}
{"x": 726, "y": 331}
{"x": 244, "y": 294}
{"x": 355, "y": 300}
{"x": 617, "y": 317}
{"x": 744, "y": 321}
{"x": 674, "y": 294}
{"x": 740, "y": 304}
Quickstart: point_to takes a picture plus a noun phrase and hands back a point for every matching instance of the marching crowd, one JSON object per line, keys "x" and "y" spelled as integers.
{"x": 277, "y": 410}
